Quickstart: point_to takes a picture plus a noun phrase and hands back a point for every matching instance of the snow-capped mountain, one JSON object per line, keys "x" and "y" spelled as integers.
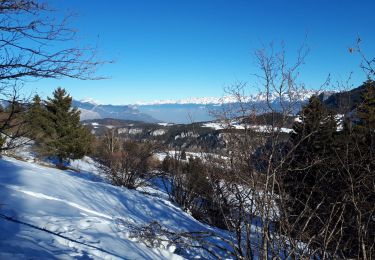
{"x": 202, "y": 109}
{"x": 92, "y": 110}
{"x": 260, "y": 97}
{"x": 90, "y": 101}
{"x": 196, "y": 109}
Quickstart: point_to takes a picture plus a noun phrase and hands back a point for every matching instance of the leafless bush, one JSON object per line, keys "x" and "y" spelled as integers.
{"x": 206, "y": 243}
{"x": 12, "y": 123}
{"x": 126, "y": 163}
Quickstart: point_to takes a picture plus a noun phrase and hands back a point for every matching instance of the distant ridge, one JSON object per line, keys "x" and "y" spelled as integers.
{"x": 198, "y": 109}
{"x": 302, "y": 95}
{"x": 347, "y": 100}
{"x": 92, "y": 110}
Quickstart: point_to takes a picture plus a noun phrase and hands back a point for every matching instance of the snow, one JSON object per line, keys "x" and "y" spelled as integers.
{"x": 186, "y": 134}
{"x": 302, "y": 95}
{"x": 135, "y": 131}
{"x": 176, "y": 154}
{"x": 22, "y": 149}
{"x": 92, "y": 219}
{"x": 215, "y": 126}
{"x": 165, "y": 124}
{"x": 257, "y": 128}
{"x": 158, "y": 132}
{"x": 86, "y": 114}
{"x": 90, "y": 101}
{"x": 130, "y": 131}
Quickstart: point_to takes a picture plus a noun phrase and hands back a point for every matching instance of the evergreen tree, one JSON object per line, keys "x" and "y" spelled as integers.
{"x": 310, "y": 173}
{"x": 330, "y": 176}
{"x": 314, "y": 134}
{"x": 37, "y": 121}
{"x": 366, "y": 112}
{"x": 183, "y": 155}
{"x": 64, "y": 137}
{"x": 356, "y": 165}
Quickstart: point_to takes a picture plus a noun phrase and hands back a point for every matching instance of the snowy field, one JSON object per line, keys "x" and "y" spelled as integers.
{"x": 256, "y": 128}
{"x": 77, "y": 215}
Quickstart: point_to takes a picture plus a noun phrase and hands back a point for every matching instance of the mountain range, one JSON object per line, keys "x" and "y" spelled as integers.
{"x": 229, "y": 99}
{"x": 204, "y": 109}
{"x": 177, "y": 111}
{"x": 91, "y": 110}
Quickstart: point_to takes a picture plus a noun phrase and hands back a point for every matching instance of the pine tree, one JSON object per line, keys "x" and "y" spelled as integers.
{"x": 65, "y": 138}
{"x": 36, "y": 120}
{"x": 315, "y": 133}
{"x": 183, "y": 155}
{"x": 366, "y": 112}
{"x": 309, "y": 174}
{"x": 356, "y": 164}
{"x": 329, "y": 174}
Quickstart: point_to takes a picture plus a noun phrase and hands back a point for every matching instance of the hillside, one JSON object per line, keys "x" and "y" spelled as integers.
{"x": 193, "y": 136}
{"x": 77, "y": 215}
{"x": 346, "y": 100}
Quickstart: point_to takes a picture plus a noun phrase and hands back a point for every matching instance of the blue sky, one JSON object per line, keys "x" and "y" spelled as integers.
{"x": 174, "y": 49}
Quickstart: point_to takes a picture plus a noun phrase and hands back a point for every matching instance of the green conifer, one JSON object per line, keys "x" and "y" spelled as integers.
{"x": 37, "y": 121}
{"x": 366, "y": 110}
{"x": 66, "y": 138}
{"x": 310, "y": 170}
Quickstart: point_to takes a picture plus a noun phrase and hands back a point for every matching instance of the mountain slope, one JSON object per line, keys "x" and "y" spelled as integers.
{"x": 90, "y": 110}
{"x": 93, "y": 219}
{"x": 347, "y": 100}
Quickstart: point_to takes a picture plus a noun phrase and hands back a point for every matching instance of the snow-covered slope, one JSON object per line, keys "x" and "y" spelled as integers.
{"x": 90, "y": 218}
{"x": 235, "y": 125}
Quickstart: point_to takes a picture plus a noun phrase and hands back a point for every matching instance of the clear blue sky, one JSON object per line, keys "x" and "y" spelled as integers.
{"x": 173, "y": 49}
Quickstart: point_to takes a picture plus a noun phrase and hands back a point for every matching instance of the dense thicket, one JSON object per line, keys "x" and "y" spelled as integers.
{"x": 329, "y": 179}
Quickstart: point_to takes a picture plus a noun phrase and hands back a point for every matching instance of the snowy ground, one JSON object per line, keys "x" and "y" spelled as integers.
{"x": 90, "y": 217}
{"x": 176, "y": 154}
{"x": 257, "y": 128}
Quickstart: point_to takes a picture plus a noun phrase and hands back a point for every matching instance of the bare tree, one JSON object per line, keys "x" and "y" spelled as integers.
{"x": 34, "y": 44}
{"x": 254, "y": 150}
{"x": 12, "y": 125}
{"x": 367, "y": 64}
